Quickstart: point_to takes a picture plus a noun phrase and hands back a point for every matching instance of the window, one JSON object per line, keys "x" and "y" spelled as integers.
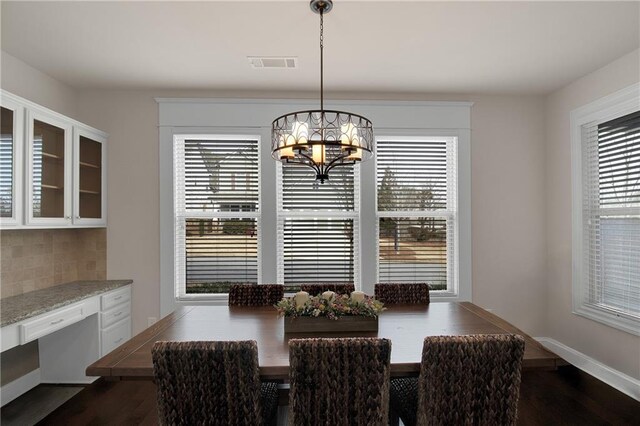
{"x": 317, "y": 226}
{"x": 278, "y": 225}
{"x": 417, "y": 221}
{"x": 607, "y": 230}
{"x": 217, "y": 222}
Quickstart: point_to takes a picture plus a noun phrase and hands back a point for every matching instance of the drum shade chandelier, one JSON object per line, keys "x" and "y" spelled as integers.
{"x": 321, "y": 139}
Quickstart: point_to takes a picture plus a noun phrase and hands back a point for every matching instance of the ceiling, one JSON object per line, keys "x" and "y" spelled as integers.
{"x": 417, "y": 47}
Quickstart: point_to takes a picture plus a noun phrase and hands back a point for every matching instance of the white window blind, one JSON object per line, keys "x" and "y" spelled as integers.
{"x": 317, "y": 226}
{"x": 6, "y": 163}
{"x": 216, "y": 214}
{"x": 611, "y": 215}
{"x": 416, "y": 195}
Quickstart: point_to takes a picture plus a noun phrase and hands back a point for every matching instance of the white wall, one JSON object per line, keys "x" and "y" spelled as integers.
{"x": 614, "y": 348}
{"x": 507, "y": 195}
{"x": 507, "y": 172}
{"x": 23, "y": 80}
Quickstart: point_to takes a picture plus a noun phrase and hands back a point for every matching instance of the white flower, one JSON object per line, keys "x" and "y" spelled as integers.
{"x": 316, "y": 312}
{"x": 328, "y": 295}
{"x": 301, "y": 298}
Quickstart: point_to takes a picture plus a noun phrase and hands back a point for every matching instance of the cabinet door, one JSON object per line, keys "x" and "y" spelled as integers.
{"x": 11, "y": 162}
{"x": 49, "y": 171}
{"x": 89, "y": 182}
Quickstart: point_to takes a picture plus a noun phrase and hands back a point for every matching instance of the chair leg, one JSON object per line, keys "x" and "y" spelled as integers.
{"x": 394, "y": 420}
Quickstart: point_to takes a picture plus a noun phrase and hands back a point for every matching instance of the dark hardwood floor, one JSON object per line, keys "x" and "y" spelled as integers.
{"x": 567, "y": 396}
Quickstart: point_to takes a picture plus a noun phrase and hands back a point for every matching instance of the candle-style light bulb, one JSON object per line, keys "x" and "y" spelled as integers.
{"x": 286, "y": 150}
{"x": 300, "y": 132}
{"x": 349, "y": 135}
{"x": 319, "y": 154}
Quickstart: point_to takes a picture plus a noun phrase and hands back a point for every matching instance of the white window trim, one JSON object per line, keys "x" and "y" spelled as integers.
{"x": 353, "y": 214}
{"x": 618, "y": 104}
{"x": 454, "y": 266}
{"x": 180, "y": 296}
{"x": 180, "y": 116}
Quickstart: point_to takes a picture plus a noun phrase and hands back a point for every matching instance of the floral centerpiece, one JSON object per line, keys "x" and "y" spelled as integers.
{"x": 355, "y": 312}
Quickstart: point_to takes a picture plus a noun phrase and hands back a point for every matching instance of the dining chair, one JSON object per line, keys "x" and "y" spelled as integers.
{"x": 402, "y": 293}
{"x": 213, "y": 383}
{"x": 464, "y": 380}
{"x": 319, "y": 288}
{"x": 255, "y": 294}
{"x": 339, "y": 381}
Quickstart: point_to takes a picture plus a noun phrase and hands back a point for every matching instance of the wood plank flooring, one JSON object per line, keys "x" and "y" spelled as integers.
{"x": 567, "y": 396}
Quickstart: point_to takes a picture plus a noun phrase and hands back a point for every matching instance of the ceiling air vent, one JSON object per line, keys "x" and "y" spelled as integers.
{"x": 273, "y": 61}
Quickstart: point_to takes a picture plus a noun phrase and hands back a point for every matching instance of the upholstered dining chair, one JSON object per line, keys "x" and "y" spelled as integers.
{"x": 255, "y": 294}
{"x": 464, "y": 380}
{"x": 339, "y": 381}
{"x": 318, "y": 288}
{"x": 212, "y": 383}
{"x": 402, "y": 293}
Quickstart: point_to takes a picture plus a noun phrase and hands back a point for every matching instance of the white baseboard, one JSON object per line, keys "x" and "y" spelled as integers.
{"x": 614, "y": 378}
{"x": 14, "y": 389}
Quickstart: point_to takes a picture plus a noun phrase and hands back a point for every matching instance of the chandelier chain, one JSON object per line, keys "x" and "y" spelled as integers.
{"x": 322, "y": 59}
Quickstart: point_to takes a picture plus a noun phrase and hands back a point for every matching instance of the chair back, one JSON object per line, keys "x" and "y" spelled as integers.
{"x": 470, "y": 380}
{"x": 319, "y": 288}
{"x": 255, "y": 294}
{"x": 403, "y": 293}
{"x": 341, "y": 381}
{"x": 213, "y": 383}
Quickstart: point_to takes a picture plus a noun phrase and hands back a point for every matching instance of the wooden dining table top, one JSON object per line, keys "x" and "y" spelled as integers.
{"x": 405, "y": 325}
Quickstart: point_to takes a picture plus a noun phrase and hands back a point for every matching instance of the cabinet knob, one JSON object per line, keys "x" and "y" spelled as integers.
{"x": 67, "y": 217}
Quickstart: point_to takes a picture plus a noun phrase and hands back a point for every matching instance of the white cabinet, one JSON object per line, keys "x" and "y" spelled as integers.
{"x": 48, "y": 172}
{"x": 115, "y": 319}
{"x": 89, "y": 177}
{"x": 53, "y": 169}
{"x": 70, "y": 338}
{"x": 11, "y": 160}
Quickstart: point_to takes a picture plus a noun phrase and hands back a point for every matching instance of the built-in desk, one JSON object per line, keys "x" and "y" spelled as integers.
{"x": 74, "y": 323}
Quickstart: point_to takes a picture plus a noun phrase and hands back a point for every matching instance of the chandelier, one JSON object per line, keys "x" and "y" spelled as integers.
{"x": 321, "y": 139}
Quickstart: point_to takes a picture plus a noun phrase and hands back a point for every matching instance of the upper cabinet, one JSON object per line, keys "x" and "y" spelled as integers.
{"x": 11, "y": 151}
{"x": 89, "y": 177}
{"x": 49, "y": 163}
{"x": 62, "y": 180}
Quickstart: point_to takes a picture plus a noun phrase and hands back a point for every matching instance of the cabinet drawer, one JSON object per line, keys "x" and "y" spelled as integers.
{"x": 114, "y": 336}
{"x": 116, "y": 314}
{"x": 114, "y": 298}
{"x": 60, "y": 318}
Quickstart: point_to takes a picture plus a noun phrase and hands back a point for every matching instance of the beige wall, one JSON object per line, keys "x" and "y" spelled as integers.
{"x": 23, "y": 80}
{"x": 508, "y": 201}
{"x": 616, "y": 349}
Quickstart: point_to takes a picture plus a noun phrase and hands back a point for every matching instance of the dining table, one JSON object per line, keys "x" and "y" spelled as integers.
{"x": 405, "y": 325}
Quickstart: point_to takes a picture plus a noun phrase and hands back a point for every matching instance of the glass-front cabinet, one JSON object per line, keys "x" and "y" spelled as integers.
{"x": 52, "y": 168}
{"x": 89, "y": 207}
{"x": 11, "y": 150}
{"x": 49, "y": 164}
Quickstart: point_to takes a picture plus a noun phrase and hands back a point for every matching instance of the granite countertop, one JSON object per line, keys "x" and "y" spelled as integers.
{"x": 18, "y": 308}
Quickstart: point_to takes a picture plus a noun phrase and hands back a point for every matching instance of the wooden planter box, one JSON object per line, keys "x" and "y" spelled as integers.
{"x": 326, "y": 325}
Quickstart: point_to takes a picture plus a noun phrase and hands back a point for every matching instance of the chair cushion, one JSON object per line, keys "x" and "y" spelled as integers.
{"x": 404, "y": 399}
{"x": 269, "y": 396}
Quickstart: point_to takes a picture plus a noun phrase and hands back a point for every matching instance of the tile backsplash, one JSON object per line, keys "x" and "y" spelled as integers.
{"x": 32, "y": 259}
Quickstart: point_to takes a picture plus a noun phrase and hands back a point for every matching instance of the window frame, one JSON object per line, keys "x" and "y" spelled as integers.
{"x": 249, "y": 116}
{"x": 453, "y": 265}
{"x": 353, "y": 215}
{"x": 179, "y": 293}
{"x": 618, "y": 104}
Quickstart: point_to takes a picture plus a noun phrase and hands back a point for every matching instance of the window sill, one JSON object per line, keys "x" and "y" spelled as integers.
{"x": 609, "y": 317}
